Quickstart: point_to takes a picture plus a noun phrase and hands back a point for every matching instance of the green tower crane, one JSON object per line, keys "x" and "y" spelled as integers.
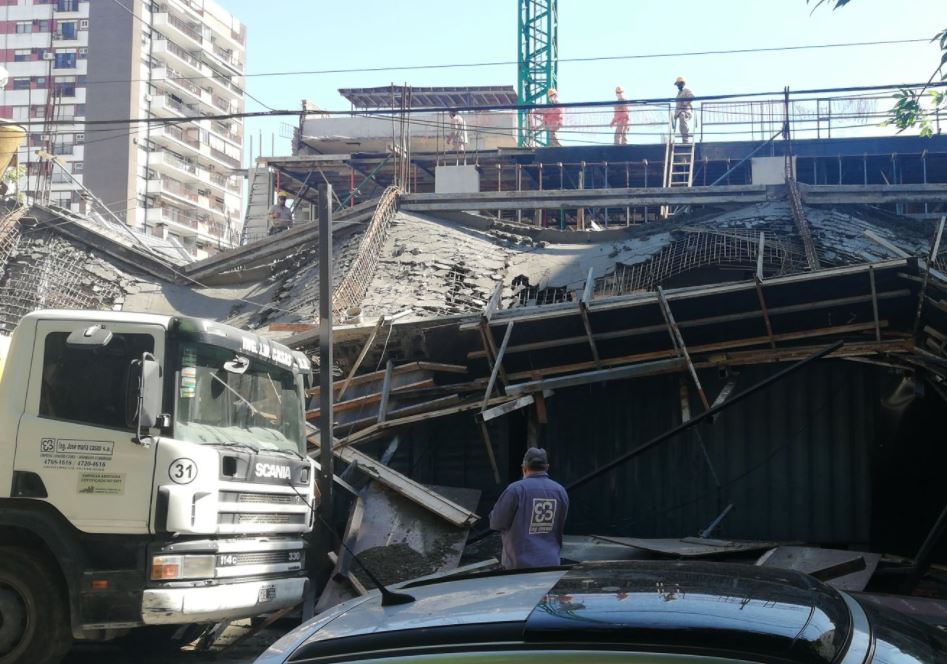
{"x": 538, "y": 62}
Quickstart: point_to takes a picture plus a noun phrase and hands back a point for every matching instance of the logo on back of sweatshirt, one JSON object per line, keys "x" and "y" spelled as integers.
{"x": 543, "y": 516}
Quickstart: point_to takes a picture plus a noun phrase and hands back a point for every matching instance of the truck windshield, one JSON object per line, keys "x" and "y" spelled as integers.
{"x": 225, "y": 398}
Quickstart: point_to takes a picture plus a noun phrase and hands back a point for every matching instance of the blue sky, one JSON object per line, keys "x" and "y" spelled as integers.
{"x": 293, "y": 35}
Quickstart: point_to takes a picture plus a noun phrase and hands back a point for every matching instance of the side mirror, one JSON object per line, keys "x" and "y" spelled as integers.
{"x": 143, "y": 405}
{"x": 95, "y": 336}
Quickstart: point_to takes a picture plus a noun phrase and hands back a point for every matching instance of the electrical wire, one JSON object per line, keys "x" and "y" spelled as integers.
{"x": 587, "y": 59}
{"x": 489, "y": 107}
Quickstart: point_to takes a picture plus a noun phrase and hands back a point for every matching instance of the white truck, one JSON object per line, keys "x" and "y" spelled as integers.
{"x": 152, "y": 472}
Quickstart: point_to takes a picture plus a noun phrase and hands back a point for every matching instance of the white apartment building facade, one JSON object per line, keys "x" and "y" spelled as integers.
{"x": 102, "y": 60}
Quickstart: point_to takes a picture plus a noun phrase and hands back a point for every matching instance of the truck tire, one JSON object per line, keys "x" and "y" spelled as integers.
{"x": 34, "y": 614}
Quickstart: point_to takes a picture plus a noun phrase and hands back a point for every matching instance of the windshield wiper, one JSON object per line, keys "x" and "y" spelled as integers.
{"x": 280, "y": 450}
{"x": 245, "y": 446}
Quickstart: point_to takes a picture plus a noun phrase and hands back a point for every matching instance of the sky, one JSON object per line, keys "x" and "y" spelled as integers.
{"x": 306, "y": 35}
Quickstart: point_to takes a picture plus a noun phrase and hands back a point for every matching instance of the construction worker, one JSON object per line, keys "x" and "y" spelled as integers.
{"x": 457, "y": 138}
{"x": 620, "y": 118}
{"x": 530, "y": 515}
{"x": 683, "y": 109}
{"x": 280, "y": 216}
{"x": 551, "y": 118}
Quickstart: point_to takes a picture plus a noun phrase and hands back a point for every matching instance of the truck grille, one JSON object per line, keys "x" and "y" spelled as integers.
{"x": 275, "y": 519}
{"x": 260, "y": 558}
{"x": 259, "y": 498}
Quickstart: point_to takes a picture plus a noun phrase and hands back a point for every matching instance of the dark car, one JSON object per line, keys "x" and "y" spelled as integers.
{"x": 636, "y": 611}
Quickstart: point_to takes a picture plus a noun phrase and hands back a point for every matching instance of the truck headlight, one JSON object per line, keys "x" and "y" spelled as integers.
{"x": 170, "y": 568}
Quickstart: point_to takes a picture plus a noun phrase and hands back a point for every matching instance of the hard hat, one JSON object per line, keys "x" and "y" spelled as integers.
{"x": 552, "y": 93}
{"x": 619, "y": 90}
{"x": 282, "y": 194}
{"x": 680, "y": 79}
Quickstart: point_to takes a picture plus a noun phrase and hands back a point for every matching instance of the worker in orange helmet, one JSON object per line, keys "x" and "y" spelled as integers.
{"x": 620, "y": 118}
{"x": 683, "y": 108}
{"x": 550, "y": 119}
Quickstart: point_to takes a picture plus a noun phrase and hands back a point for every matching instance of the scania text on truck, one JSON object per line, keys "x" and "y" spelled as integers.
{"x": 152, "y": 472}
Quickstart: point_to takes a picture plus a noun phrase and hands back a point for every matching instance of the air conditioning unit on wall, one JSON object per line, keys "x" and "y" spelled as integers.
{"x": 84, "y": 24}
{"x": 49, "y": 56}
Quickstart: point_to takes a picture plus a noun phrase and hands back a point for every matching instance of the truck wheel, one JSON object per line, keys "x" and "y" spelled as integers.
{"x": 34, "y": 618}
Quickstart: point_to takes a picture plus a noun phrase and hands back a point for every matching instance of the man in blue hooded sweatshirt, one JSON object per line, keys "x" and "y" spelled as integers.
{"x": 530, "y": 515}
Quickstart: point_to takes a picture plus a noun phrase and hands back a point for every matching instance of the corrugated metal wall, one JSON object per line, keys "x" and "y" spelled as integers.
{"x": 794, "y": 459}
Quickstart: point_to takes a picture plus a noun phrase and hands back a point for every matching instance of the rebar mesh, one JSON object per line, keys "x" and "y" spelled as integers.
{"x": 351, "y": 290}
{"x": 700, "y": 248}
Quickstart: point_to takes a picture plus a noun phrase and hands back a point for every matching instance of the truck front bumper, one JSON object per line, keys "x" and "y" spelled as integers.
{"x": 172, "y": 606}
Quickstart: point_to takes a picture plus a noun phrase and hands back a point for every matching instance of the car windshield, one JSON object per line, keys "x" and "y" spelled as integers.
{"x": 225, "y": 398}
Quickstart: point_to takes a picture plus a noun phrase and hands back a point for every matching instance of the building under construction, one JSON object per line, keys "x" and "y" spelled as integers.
{"x": 637, "y": 324}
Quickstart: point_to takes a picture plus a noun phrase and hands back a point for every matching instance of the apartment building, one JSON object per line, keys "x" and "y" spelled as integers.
{"x": 101, "y": 60}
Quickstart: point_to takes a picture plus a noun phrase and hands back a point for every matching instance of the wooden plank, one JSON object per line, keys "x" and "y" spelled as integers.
{"x": 414, "y": 491}
{"x": 669, "y": 316}
{"x": 505, "y": 408}
{"x": 759, "y": 296}
{"x": 413, "y": 409}
{"x": 488, "y": 444}
{"x": 497, "y": 365}
{"x": 598, "y": 376}
{"x": 397, "y": 371}
{"x": 385, "y": 393}
{"x": 369, "y": 399}
{"x": 705, "y": 348}
{"x": 584, "y": 311}
{"x": 697, "y": 322}
{"x": 291, "y": 327}
{"x": 414, "y": 419}
{"x": 494, "y": 302}
{"x": 874, "y": 302}
{"x": 361, "y": 356}
{"x": 927, "y": 272}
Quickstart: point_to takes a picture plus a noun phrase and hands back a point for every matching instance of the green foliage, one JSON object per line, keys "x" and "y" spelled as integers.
{"x": 836, "y": 3}
{"x": 13, "y": 174}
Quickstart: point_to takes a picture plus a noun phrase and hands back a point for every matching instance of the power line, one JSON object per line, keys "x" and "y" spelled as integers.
{"x": 598, "y": 58}
{"x": 487, "y": 107}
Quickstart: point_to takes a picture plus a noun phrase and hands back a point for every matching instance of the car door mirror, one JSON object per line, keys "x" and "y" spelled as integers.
{"x": 143, "y": 401}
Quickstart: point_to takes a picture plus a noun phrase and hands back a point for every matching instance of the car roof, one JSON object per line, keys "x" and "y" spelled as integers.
{"x": 706, "y": 608}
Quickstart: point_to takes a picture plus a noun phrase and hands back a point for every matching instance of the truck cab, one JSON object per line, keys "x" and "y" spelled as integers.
{"x": 153, "y": 471}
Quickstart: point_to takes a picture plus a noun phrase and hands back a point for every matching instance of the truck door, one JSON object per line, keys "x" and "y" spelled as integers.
{"x": 74, "y": 433}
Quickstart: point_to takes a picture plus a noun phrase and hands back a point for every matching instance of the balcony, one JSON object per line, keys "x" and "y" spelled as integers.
{"x": 167, "y": 162}
{"x": 174, "y": 27}
{"x": 227, "y": 57}
{"x": 164, "y": 105}
{"x": 167, "y": 51}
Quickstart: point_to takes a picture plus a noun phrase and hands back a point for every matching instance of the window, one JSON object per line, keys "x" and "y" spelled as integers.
{"x": 22, "y": 55}
{"x": 21, "y": 83}
{"x": 24, "y": 26}
{"x": 65, "y": 60}
{"x": 67, "y": 30}
{"x": 67, "y": 5}
{"x": 77, "y": 167}
{"x": 89, "y": 386}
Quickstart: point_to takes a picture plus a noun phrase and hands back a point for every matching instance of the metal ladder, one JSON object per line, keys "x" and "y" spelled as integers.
{"x": 678, "y": 169}
{"x": 259, "y": 201}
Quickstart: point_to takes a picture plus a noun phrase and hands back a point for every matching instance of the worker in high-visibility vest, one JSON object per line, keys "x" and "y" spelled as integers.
{"x": 620, "y": 118}
{"x": 551, "y": 118}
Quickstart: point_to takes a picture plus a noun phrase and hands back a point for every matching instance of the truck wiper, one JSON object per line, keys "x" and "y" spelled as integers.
{"x": 280, "y": 450}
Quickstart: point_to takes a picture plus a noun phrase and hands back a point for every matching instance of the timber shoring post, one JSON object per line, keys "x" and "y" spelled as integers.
{"x": 497, "y": 366}
{"x": 584, "y": 311}
{"x": 874, "y": 302}
{"x": 676, "y": 334}
{"x": 766, "y": 382}
{"x": 935, "y": 246}
{"x": 769, "y": 324}
{"x": 923, "y": 558}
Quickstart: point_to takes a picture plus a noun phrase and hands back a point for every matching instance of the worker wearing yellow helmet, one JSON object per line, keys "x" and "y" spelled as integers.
{"x": 280, "y": 216}
{"x": 683, "y": 109}
{"x": 620, "y": 117}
